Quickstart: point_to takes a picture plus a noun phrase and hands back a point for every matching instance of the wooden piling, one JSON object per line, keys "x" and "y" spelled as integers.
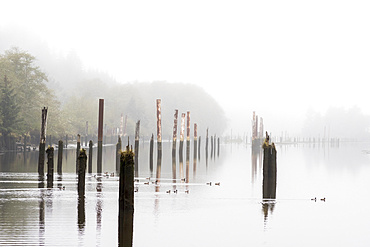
{"x": 50, "y": 162}
{"x": 66, "y": 141}
{"x": 187, "y": 146}
{"x": 199, "y": 140}
{"x": 100, "y": 136}
{"x": 174, "y": 135}
{"x": 126, "y": 198}
{"x": 181, "y": 148}
{"x": 218, "y": 146}
{"x": 44, "y": 113}
{"x": 151, "y": 149}
{"x": 90, "y": 156}
{"x": 159, "y": 138}
{"x": 195, "y": 148}
{"x": 60, "y": 157}
{"x": 207, "y": 148}
{"x": 269, "y": 169}
{"x": 78, "y": 151}
{"x": 82, "y": 159}
{"x": 118, "y": 153}
{"x": 137, "y": 138}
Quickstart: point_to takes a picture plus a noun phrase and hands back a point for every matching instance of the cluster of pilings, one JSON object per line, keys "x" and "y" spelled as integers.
{"x": 257, "y": 134}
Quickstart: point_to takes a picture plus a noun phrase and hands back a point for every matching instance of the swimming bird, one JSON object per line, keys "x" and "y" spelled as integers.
{"x": 217, "y": 183}
{"x": 323, "y": 199}
{"x": 183, "y": 179}
{"x": 210, "y": 183}
{"x": 146, "y": 183}
{"x": 313, "y": 199}
{"x": 168, "y": 191}
{"x": 175, "y": 191}
{"x": 187, "y": 191}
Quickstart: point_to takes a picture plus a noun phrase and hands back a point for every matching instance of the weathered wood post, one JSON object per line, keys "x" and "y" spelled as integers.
{"x": 207, "y": 147}
{"x": 126, "y": 198}
{"x": 66, "y": 141}
{"x": 60, "y": 157}
{"x": 118, "y": 153}
{"x": 90, "y": 156}
{"x": 151, "y": 148}
{"x": 195, "y": 149}
{"x": 100, "y": 136}
{"x": 269, "y": 169}
{"x": 82, "y": 160}
{"x": 199, "y": 140}
{"x": 50, "y": 175}
{"x": 24, "y": 143}
{"x": 181, "y": 148}
{"x": 211, "y": 147}
{"x": 174, "y": 142}
{"x": 218, "y": 146}
{"x": 44, "y": 113}
{"x": 159, "y": 138}
{"x": 214, "y": 153}
{"x": 78, "y": 151}
{"x": 137, "y": 138}
{"x": 187, "y": 145}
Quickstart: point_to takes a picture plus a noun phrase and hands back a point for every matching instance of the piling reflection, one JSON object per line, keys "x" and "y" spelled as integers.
{"x": 42, "y": 218}
{"x": 81, "y": 214}
{"x": 98, "y": 209}
{"x": 126, "y": 233}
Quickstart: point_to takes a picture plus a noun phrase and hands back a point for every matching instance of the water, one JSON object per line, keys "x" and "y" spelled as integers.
{"x": 232, "y": 214}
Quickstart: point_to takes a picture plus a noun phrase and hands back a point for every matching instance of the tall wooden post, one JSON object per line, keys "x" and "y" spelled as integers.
{"x": 174, "y": 135}
{"x": 78, "y": 151}
{"x": 60, "y": 157}
{"x": 159, "y": 138}
{"x": 118, "y": 153}
{"x": 100, "y": 136}
{"x": 50, "y": 175}
{"x": 90, "y": 156}
{"x": 137, "y": 137}
{"x": 151, "y": 147}
{"x": 207, "y": 148}
{"x": 82, "y": 160}
{"x": 269, "y": 169}
{"x": 126, "y": 198}
{"x": 195, "y": 148}
{"x": 187, "y": 145}
{"x": 174, "y": 142}
{"x": 181, "y": 148}
{"x": 66, "y": 141}
{"x": 44, "y": 113}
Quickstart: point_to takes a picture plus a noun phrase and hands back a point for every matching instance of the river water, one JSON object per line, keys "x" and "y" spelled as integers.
{"x": 230, "y": 214}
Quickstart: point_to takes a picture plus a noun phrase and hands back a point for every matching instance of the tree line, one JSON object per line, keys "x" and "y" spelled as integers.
{"x": 25, "y": 89}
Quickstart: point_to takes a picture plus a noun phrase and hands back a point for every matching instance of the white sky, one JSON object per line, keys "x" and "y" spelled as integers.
{"x": 278, "y": 58}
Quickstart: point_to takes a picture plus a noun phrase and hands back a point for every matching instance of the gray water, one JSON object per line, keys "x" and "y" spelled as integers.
{"x": 231, "y": 214}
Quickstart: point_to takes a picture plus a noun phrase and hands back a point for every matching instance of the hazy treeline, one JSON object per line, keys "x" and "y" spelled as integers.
{"x": 337, "y": 122}
{"x": 72, "y": 98}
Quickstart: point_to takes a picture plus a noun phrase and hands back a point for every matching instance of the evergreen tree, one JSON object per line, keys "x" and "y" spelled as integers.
{"x": 9, "y": 111}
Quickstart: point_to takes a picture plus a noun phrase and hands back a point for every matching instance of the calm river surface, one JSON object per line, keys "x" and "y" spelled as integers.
{"x": 232, "y": 214}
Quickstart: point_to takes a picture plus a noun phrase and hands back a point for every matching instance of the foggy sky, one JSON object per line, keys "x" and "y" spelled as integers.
{"x": 279, "y": 58}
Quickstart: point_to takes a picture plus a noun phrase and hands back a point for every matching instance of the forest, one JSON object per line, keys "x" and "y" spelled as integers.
{"x": 71, "y": 95}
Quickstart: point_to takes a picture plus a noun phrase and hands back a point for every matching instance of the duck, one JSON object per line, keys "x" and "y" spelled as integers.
{"x": 187, "y": 191}
{"x": 217, "y": 183}
{"x": 323, "y": 199}
{"x": 175, "y": 191}
{"x": 210, "y": 183}
{"x": 313, "y": 199}
{"x": 146, "y": 183}
{"x": 168, "y": 191}
{"x": 148, "y": 178}
{"x": 183, "y": 179}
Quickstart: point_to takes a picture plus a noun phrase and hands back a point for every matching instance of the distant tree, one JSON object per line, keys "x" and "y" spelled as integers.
{"x": 9, "y": 111}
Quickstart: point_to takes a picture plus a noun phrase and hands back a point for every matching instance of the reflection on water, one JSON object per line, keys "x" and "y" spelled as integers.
{"x": 58, "y": 217}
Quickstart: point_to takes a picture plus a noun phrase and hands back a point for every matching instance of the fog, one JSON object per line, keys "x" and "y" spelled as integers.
{"x": 283, "y": 59}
